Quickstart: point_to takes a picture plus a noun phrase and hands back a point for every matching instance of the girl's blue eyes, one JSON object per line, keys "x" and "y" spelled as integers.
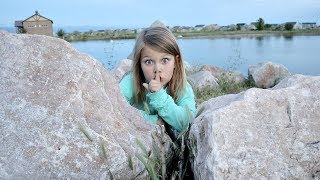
{"x": 148, "y": 61}
{"x": 163, "y": 61}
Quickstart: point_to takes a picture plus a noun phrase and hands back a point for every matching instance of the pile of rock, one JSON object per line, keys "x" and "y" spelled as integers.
{"x": 62, "y": 116}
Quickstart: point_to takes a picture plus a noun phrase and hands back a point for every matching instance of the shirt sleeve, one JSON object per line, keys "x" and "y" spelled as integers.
{"x": 179, "y": 114}
{"x": 126, "y": 87}
{"x": 150, "y": 117}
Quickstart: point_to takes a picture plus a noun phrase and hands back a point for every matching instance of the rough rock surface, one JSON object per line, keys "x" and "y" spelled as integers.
{"x": 122, "y": 68}
{"x": 215, "y": 71}
{"x": 260, "y": 133}
{"x": 267, "y": 74}
{"x": 233, "y": 77}
{"x": 203, "y": 79}
{"x": 51, "y": 96}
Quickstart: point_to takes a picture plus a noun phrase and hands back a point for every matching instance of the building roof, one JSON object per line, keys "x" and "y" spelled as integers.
{"x": 309, "y": 23}
{"x": 37, "y": 14}
{"x": 200, "y": 25}
{"x": 19, "y": 23}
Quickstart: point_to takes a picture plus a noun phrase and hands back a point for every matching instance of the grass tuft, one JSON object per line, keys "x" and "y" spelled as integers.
{"x": 225, "y": 87}
{"x": 104, "y": 151}
{"x": 86, "y": 134}
{"x": 130, "y": 163}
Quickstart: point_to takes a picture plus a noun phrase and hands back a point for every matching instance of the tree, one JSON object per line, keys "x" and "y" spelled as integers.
{"x": 61, "y": 33}
{"x": 288, "y": 26}
{"x": 238, "y": 27}
{"x": 260, "y": 24}
{"x": 267, "y": 26}
{"x": 22, "y": 31}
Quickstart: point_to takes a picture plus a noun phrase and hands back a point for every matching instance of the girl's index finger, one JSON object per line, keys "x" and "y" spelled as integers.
{"x": 157, "y": 77}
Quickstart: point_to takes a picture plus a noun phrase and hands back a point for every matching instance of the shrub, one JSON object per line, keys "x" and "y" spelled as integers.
{"x": 61, "y": 33}
{"x": 226, "y": 86}
{"x": 260, "y": 24}
{"x": 288, "y": 26}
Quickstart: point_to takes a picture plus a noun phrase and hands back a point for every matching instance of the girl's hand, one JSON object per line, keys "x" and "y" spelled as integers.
{"x": 154, "y": 85}
{"x": 160, "y": 121}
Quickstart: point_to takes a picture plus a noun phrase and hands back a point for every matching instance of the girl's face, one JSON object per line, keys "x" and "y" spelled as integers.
{"x": 153, "y": 62}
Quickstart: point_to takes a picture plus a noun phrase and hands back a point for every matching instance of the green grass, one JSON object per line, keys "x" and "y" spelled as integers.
{"x": 162, "y": 164}
{"x": 95, "y": 36}
{"x": 247, "y": 33}
{"x": 225, "y": 87}
{"x": 85, "y": 132}
{"x": 86, "y": 36}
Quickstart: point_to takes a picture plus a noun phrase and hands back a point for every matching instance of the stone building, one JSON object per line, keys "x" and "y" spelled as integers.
{"x": 35, "y": 24}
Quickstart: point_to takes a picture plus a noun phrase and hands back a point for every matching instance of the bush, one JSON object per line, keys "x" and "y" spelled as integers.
{"x": 225, "y": 87}
{"x": 22, "y": 31}
{"x": 61, "y": 33}
{"x": 260, "y": 24}
{"x": 288, "y": 26}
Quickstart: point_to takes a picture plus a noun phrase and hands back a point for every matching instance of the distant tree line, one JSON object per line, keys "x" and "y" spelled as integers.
{"x": 182, "y": 31}
{"x": 260, "y": 25}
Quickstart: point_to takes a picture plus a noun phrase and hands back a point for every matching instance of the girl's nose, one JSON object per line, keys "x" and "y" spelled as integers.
{"x": 157, "y": 68}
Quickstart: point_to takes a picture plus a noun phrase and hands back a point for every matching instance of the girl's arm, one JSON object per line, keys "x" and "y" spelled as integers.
{"x": 179, "y": 114}
{"x": 126, "y": 87}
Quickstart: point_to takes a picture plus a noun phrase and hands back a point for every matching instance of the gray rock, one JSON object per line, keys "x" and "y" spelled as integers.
{"x": 59, "y": 109}
{"x": 215, "y": 71}
{"x": 203, "y": 79}
{"x": 158, "y": 23}
{"x": 233, "y": 77}
{"x": 267, "y": 74}
{"x": 260, "y": 133}
{"x": 122, "y": 68}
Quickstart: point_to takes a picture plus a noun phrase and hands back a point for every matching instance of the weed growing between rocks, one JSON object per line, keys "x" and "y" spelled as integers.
{"x": 102, "y": 146}
{"x": 174, "y": 164}
{"x": 226, "y": 86}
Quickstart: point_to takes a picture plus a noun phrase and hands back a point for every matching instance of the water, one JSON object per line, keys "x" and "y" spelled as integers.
{"x": 300, "y": 54}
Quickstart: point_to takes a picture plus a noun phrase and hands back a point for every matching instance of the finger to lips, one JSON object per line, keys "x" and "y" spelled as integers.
{"x": 157, "y": 78}
{"x": 145, "y": 85}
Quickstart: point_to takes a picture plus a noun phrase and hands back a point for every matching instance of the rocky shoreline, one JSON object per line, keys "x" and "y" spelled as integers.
{"x": 62, "y": 116}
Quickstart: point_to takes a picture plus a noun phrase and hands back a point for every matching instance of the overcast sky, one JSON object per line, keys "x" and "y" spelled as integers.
{"x": 141, "y": 13}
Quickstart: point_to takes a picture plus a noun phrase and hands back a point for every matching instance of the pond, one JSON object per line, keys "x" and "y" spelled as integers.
{"x": 300, "y": 54}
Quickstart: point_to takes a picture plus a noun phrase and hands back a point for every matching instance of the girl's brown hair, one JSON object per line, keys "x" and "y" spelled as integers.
{"x": 160, "y": 39}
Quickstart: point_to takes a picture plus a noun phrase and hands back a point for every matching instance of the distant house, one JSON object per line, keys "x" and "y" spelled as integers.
{"x": 241, "y": 26}
{"x": 309, "y": 25}
{"x": 254, "y": 23}
{"x": 211, "y": 27}
{"x": 35, "y": 24}
{"x": 199, "y": 27}
{"x": 297, "y": 26}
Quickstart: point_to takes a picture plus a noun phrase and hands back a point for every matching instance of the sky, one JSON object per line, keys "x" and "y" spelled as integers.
{"x": 141, "y": 13}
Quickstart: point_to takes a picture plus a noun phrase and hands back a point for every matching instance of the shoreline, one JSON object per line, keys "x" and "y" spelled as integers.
{"x": 254, "y": 34}
{"x": 197, "y": 35}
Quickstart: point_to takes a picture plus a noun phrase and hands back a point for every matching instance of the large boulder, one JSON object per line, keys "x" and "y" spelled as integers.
{"x": 215, "y": 71}
{"x": 62, "y": 115}
{"x": 267, "y": 74}
{"x": 260, "y": 133}
{"x": 203, "y": 79}
{"x": 232, "y": 77}
{"x": 122, "y": 68}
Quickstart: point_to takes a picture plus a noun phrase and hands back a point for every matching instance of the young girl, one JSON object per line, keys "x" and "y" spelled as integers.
{"x": 157, "y": 85}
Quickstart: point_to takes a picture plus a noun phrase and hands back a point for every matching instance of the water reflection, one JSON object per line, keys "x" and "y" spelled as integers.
{"x": 259, "y": 41}
{"x": 300, "y": 54}
{"x": 288, "y": 37}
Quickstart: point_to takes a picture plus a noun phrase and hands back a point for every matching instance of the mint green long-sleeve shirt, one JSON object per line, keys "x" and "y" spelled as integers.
{"x": 176, "y": 114}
